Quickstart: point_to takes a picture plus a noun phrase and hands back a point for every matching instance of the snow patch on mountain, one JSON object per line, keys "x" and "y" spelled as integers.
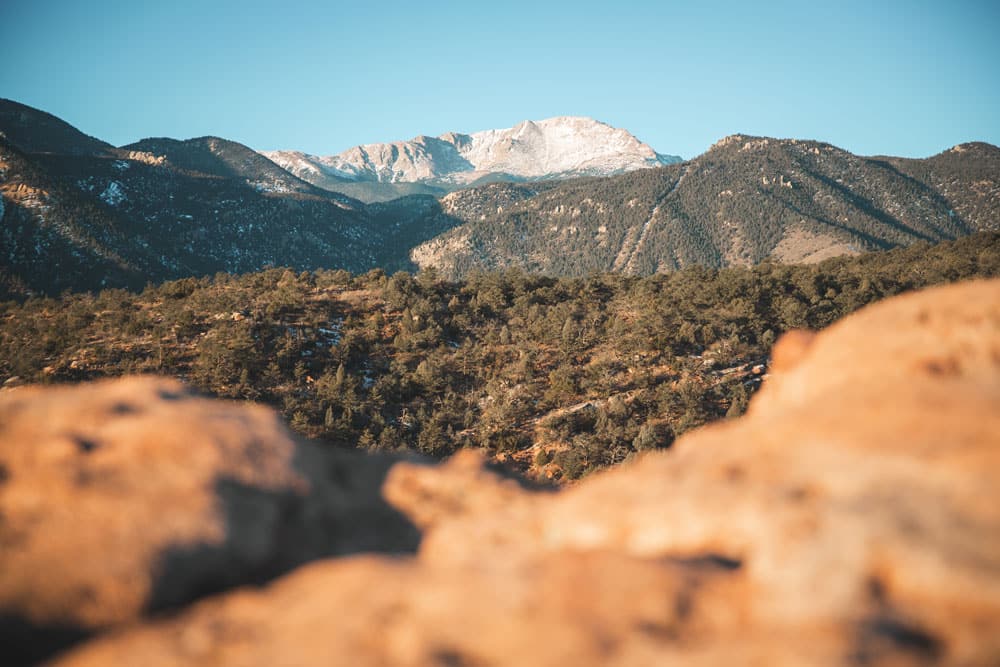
{"x": 557, "y": 147}
{"x": 114, "y": 194}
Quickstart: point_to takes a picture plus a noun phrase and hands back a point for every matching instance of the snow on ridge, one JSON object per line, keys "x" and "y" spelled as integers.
{"x": 556, "y": 145}
{"x": 114, "y": 194}
{"x": 530, "y": 149}
{"x": 303, "y": 164}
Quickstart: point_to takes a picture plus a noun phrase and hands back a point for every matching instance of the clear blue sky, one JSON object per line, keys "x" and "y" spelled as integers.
{"x": 904, "y": 78}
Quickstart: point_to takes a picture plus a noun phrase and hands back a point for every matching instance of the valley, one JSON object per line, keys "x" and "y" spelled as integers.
{"x": 554, "y": 378}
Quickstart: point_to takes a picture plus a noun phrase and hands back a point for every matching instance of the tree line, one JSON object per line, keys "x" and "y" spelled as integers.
{"x": 554, "y": 376}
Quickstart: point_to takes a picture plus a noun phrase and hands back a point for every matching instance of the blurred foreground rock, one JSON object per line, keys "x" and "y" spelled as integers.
{"x": 851, "y": 518}
{"x": 127, "y": 497}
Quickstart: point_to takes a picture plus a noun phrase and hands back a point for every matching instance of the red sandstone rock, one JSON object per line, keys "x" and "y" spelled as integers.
{"x": 123, "y": 497}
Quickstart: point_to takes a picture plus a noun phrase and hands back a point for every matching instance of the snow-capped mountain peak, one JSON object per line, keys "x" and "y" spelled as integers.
{"x": 551, "y": 148}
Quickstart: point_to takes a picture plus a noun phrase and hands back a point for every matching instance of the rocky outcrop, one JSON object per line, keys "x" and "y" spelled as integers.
{"x": 124, "y": 498}
{"x": 852, "y": 517}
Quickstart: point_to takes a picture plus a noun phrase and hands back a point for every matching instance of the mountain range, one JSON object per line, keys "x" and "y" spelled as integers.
{"x": 78, "y": 213}
{"x": 556, "y": 148}
{"x": 744, "y": 201}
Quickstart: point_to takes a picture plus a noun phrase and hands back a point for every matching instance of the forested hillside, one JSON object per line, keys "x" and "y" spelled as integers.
{"x": 554, "y": 376}
{"x": 746, "y": 200}
{"x": 79, "y": 214}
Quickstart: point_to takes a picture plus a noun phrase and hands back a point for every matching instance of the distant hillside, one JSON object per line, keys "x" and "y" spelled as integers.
{"x": 746, "y": 200}
{"x": 966, "y": 177}
{"x": 213, "y": 156}
{"x": 52, "y": 239}
{"x": 76, "y": 218}
{"x": 35, "y": 131}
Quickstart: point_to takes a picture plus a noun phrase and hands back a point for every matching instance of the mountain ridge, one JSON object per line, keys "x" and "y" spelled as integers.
{"x": 122, "y": 217}
{"x": 553, "y": 148}
{"x": 80, "y": 214}
{"x": 745, "y": 200}
{"x": 37, "y": 131}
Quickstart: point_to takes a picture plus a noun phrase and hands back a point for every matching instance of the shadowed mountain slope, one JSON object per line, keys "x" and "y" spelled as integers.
{"x": 82, "y": 215}
{"x": 36, "y": 131}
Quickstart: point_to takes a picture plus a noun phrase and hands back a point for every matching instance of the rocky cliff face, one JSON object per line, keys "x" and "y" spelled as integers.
{"x": 852, "y": 517}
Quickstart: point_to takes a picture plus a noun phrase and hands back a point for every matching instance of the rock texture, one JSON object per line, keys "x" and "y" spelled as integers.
{"x": 851, "y": 518}
{"x": 127, "y": 497}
